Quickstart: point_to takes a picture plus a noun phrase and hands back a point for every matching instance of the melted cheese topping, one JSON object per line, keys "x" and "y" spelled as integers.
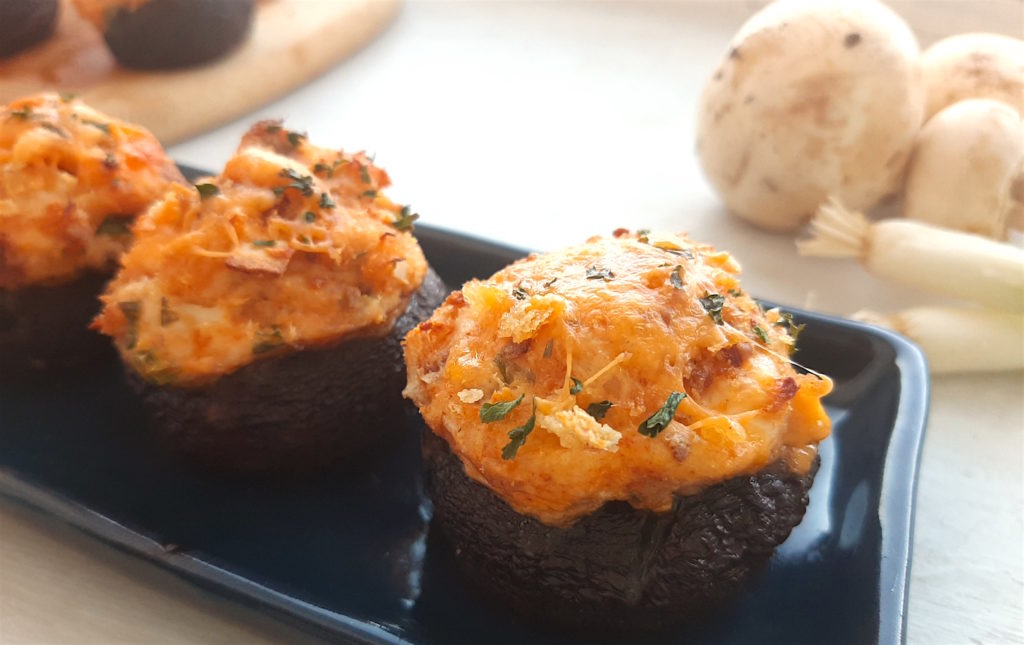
{"x": 71, "y": 180}
{"x": 278, "y": 253}
{"x": 614, "y": 321}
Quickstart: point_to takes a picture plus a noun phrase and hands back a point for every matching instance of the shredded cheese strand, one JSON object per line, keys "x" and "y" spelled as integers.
{"x": 604, "y": 370}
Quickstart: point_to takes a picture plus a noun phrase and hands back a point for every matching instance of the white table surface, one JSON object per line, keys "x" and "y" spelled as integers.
{"x": 539, "y": 124}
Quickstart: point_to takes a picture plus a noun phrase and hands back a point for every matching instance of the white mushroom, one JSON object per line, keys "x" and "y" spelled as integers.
{"x": 975, "y": 65}
{"x": 966, "y": 168}
{"x": 814, "y": 98}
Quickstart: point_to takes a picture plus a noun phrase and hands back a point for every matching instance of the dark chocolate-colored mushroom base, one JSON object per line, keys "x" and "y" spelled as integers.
{"x": 46, "y": 328}
{"x": 618, "y": 568}
{"x": 166, "y": 34}
{"x": 24, "y": 23}
{"x": 294, "y": 414}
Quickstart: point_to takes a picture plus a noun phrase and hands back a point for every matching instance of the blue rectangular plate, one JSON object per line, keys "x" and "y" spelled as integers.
{"x": 351, "y": 557}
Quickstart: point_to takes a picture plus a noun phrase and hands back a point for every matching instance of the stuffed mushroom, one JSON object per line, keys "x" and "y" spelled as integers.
{"x": 71, "y": 181}
{"x": 261, "y": 313}
{"x": 616, "y": 435}
{"x": 166, "y": 34}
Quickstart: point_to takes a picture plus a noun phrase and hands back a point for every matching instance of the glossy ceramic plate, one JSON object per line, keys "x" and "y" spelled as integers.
{"x": 352, "y": 557}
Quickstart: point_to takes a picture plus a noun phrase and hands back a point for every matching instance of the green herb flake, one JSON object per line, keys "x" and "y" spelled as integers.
{"x": 115, "y": 225}
{"x": 517, "y": 436}
{"x": 598, "y": 409}
{"x": 499, "y": 362}
{"x": 550, "y": 283}
{"x": 595, "y": 273}
{"x": 735, "y": 293}
{"x": 660, "y": 419}
{"x": 643, "y": 232}
{"x": 549, "y": 348}
{"x": 264, "y": 243}
{"x": 110, "y": 161}
{"x": 304, "y": 239}
{"x": 491, "y": 412}
{"x": 405, "y": 219}
{"x": 713, "y": 304}
{"x": 131, "y": 310}
{"x": 310, "y": 217}
{"x": 364, "y": 174}
{"x": 267, "y": 341}
{"x": 273, "y": 128}
{"x": 24, "y": 113}
{"x": 519, "y": 293}
{"x": 577, "y": 385}
{"x": 105, "y": 127}
{"x": 677, "y": 277}
{"x": 295, "y": 138}
{"x": 786, "y": 320}
{"x": 54, "y": 129}
{"x": 301, "y": 183}
{"x": 167, "y": 315}
{"x": 207, "y": 190}
{"x": 67, "y": 97}
{"x": 761, "y": 333}
{"x": 326, "y": 201}
{"x": 372, "y": 194}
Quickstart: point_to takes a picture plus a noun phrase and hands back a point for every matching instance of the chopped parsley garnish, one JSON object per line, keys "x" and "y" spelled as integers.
{"x": 372, "y": 194}
{"x": 321, "y": 167}
{"x": 660, "y": 419}
{"x": 735, "y": 293}
{"x": 264, "y": 243}
{"x": 364, "y": 173}
{"x": 761, "y": 333}
{"x": 677, "y": 277}
{"x": 167, "y": 315}
{"x": 24, "y": 113}
{"x": 595, "y": 273}
{"x": 550, "y": 347}
{"x": 550, "y": 283}
{"x": 499, "y": 362}
{"x": 207, "y": 190}
{"x": 326, "y": 201}
{"x": 643, "y": 233}
{"x": 273, "y": 128}
{"x": 267, "y": 341}
{"x": 304, "y": 239}
{"x": 491, "y": 412}
{"x": 519, "y": 293}
{"x": 131, "y": 310}
{"x": 577, "y": 385}
{"x": 110, "y": 161}
{"x": 405, "y": 219}
{"x": 310, "y": 216}
{"x": 295, "y": 138}
{"x": 517, "y": 436}
{"x": 301, "y": 183}
{"x": 105, "y": 127}
{"x": 598, "y": 409}
{"x": 786, "y": 319}
{"x": 115, "y": 225}
{"x": 712, "y": 304}
{"x": 54, "y": 129}
{"x": 67, "y": 97}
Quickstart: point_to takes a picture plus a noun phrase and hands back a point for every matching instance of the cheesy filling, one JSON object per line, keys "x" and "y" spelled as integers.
{"x": 292, "y": 246}
{"x": 71, "y": 181}
{"x": 631, "y": 368}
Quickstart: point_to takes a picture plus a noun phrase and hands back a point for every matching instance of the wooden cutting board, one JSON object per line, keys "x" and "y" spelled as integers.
{"x": 291, "y": 42}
